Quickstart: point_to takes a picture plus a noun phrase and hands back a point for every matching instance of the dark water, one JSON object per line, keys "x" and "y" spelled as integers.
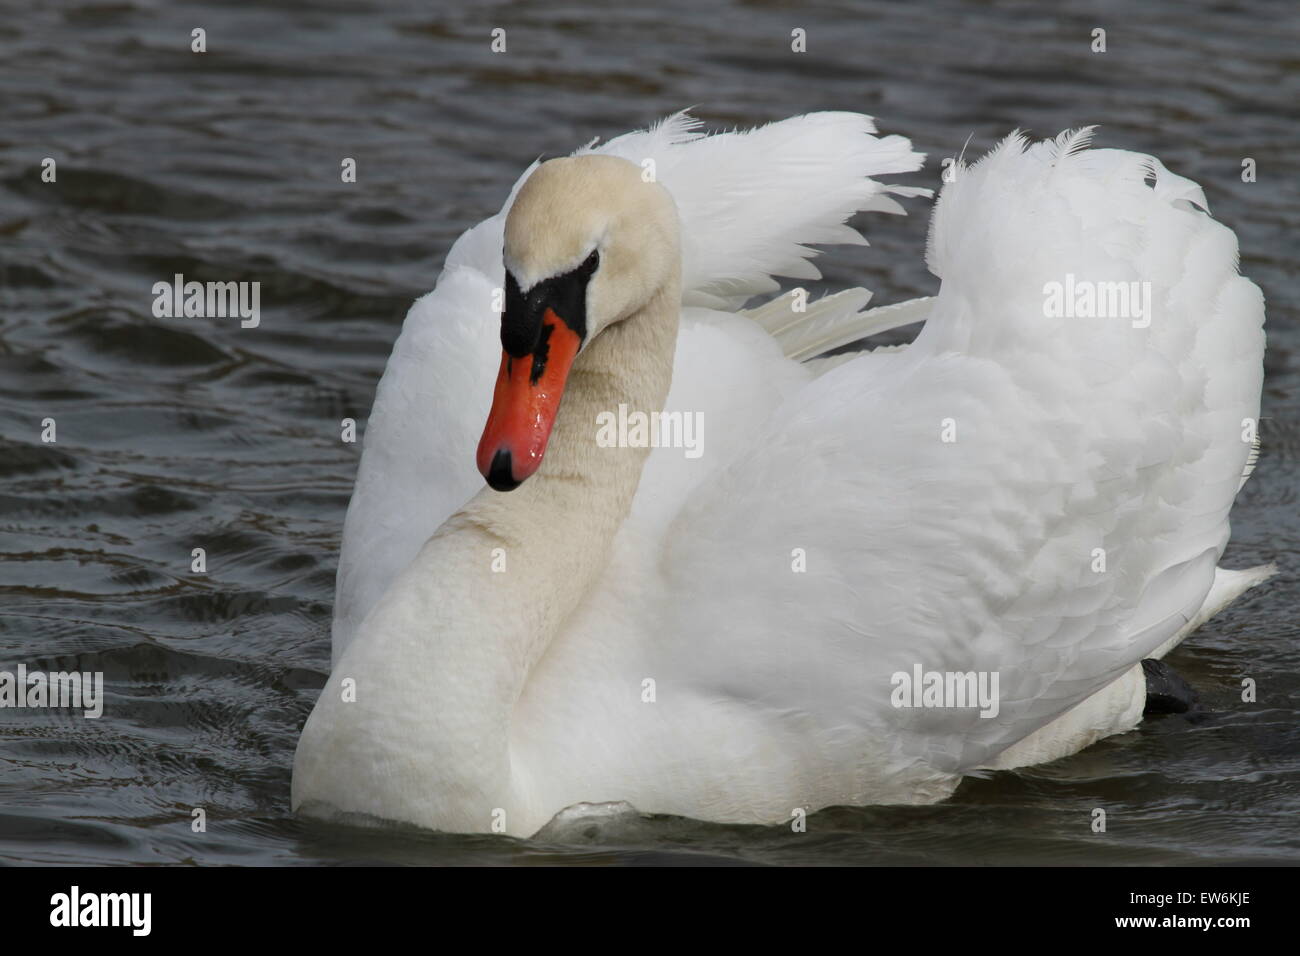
{"x": 177, "y": 434}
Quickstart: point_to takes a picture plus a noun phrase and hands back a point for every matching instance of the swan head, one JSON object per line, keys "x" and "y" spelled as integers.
{"x": 588, "y": 242}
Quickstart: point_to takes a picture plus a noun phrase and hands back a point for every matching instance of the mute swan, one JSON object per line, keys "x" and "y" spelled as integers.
{"x": 1024, "y": 491}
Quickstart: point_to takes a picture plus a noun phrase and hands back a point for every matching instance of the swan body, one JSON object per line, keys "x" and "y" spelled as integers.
{"x": 1040, "y": 496}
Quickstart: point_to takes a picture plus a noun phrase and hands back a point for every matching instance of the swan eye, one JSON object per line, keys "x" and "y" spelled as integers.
{"x": 591, "y": 262}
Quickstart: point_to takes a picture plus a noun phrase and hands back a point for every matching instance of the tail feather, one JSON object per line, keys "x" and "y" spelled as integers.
{"x": 1252, "y": 459}
{"x": 1227, "y": 587}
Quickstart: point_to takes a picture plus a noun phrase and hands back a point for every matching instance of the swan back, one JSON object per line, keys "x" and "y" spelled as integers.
{"x": 1018, "y": 492}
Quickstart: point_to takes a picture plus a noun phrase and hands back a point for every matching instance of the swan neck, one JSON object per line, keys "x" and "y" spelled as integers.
{"x": 511, "y": 568}
{"x": 563, "y": 520}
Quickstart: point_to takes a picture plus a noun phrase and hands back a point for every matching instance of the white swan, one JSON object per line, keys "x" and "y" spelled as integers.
{"x": 1038, "y": 496}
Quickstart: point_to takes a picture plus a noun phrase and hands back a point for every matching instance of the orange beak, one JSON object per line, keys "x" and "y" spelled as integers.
{"x": 524, "y": 405}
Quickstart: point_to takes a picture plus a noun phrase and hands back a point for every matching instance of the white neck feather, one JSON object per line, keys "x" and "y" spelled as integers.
{"x": 454, "y": 641}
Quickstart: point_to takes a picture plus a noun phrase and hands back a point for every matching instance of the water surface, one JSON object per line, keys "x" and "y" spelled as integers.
{"x": 180, "y": 434}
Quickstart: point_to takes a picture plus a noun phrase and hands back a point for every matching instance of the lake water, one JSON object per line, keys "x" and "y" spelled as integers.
{"x": 176, "y": 434}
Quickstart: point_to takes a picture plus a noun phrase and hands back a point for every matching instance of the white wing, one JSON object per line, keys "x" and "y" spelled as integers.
{"x": 1073, "y": 440}
{"x": 750, "y": 204}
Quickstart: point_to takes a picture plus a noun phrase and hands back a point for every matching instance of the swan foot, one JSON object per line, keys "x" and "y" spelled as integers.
{"x": 1167, "y": 692}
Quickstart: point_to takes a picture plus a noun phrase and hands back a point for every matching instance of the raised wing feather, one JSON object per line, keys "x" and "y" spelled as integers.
{"x": 1039, "y": 496}
{"x": 753, "y": 202}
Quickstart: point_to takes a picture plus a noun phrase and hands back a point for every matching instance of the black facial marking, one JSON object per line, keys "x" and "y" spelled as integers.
{"x": 541, "y": 353}
{"x": 521, "y": 322}
{"x": 519, "y": 326}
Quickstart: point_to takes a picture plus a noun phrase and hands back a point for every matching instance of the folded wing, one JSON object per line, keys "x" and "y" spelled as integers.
{"x": 1030, "y": 489}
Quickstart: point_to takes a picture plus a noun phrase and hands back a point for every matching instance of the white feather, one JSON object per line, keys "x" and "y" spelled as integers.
{"x": 751, "y": 206}
{"x": 1071, "y": 528}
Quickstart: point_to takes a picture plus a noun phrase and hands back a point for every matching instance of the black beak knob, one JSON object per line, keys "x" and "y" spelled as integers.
{"x": 501, "y": 475}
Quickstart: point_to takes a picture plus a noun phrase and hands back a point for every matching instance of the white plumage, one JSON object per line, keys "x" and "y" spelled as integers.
{"x": 952, "y": 500}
